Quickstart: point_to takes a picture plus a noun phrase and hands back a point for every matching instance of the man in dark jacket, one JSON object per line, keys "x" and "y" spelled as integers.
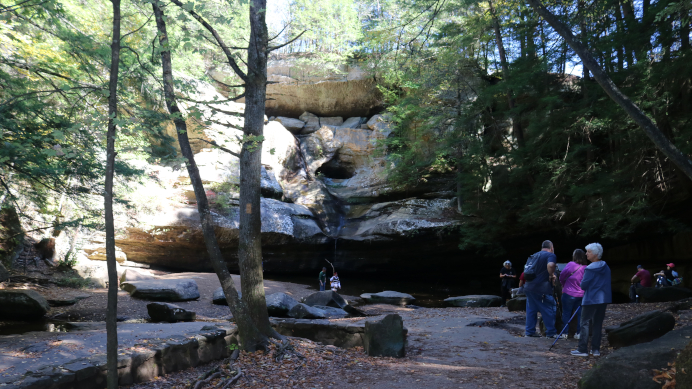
{"x": 597, "y": 295}
{"x": 539, "y": 292}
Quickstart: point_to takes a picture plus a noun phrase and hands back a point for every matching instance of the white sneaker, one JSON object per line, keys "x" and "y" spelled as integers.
{"x": 563, "y": 336}
{"x": 577, "y": 353}
{"x": 576, "y": 336}
{"x": 595, "y": 353}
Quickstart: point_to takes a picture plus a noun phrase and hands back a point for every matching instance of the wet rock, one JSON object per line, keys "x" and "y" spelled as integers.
{"x": 385, "y": 337}
{"x": 302, "y": 311}
{"x": 388, "y": 297}
{"x": 219, "y": 297}
{"x": 643, "y": 328}
{"x": 279, "y": 304}
{"x": 517, "y": 304}
{"x": 474, "y": 301}
{"x": 331, "y": 312}
{"x": 18, "y": 304}
{"x": 293, "y": 125}
{"x": 169, "y": 313}
{"x": 664, "y": 294}
{"x": 630, "y": 367}
{"x": 162, "y": 290}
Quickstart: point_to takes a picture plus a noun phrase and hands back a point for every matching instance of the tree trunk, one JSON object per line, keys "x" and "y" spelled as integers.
{"x": 250, "y": 242}
{"x": 516, "y": 122}
{"x": 112, "y": 309}
{"x": 680, "y": 160}
{"x": 250, "y": 337}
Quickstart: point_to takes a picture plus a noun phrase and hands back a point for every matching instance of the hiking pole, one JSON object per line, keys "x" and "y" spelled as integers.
{"x": 566, "y": 326}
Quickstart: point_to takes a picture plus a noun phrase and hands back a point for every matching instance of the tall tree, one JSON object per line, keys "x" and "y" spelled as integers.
{"x": 112, "y": 312}
{"x": 662, "y": 142}
{"x": 250, "y": 312}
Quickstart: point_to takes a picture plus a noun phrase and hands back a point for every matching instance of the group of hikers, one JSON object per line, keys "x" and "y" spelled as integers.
{"x": 585, "y": 283}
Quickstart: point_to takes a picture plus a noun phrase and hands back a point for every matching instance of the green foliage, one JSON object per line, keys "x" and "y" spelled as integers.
{"x": 583, "y": 168}
{"x": 73, "y": 281}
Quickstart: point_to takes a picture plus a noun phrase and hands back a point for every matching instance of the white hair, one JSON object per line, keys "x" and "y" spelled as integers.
{"x": 507, "y": 263}
{"x": 595, "y": 248}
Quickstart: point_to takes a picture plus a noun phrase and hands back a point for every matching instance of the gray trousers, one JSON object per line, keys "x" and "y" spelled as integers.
{"x": 591, "y": 324}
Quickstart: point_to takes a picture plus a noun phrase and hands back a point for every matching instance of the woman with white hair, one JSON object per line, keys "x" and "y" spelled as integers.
{"x": 597, "y": 294}
{"x": 508, "y": 276}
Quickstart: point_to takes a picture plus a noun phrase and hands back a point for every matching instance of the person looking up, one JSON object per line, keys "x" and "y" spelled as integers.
{"x": 597, "y": 295}
{"x": 570, "y": 278}
{"x": 539, "y": 274}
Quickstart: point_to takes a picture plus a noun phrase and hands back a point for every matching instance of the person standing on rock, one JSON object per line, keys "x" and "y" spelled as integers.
{"x": 570, "y": 278}
{"x": 642, "y": 279}
{"x": 508, "y": 276}
{"x": 597, "y": 295}
{"x": 323, "y": 279}
{"x": 539, "y": 273}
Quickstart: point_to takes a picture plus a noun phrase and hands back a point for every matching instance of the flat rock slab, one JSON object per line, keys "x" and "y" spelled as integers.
{"x": 279, "y": 304}
{"x": 66, "y": 300}
{"x": 664, "y": 294}
{"x": 76, "y": 359}
{"x": 641, "y": 329}
{"x": 388, "y": 297}
{"x": 219, "y": 297}
{"x": 162, "y": 290}
{"x": 302, "y": 311}
{"x": 169, "y": 313}
{"x": 517, "y": 304}
{"x": 630, "y": 367}
{"x": 331, "y": 312}
{"x": 22, "y": 304}
{"x": 474, "y": 301}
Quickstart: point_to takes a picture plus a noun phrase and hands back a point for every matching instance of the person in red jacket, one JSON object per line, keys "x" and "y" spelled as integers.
{"x": 642, "y": 279}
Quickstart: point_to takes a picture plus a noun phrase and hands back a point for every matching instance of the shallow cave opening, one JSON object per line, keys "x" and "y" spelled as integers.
{"x": 336, "y": 170}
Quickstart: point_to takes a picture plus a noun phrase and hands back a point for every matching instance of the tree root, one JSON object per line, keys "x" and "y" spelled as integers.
{"x": 230, "y": 381}
{"x": 207, "y": 378}
{"x": 285, "y": 347}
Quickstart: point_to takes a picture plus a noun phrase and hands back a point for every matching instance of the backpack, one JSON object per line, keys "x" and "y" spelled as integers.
{"x": 530, "y": 267}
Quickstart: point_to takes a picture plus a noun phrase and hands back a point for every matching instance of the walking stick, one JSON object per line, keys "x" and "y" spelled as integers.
{"x": 566, "y": 326}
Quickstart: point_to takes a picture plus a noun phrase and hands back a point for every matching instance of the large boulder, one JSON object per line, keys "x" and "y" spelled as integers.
{"x": 162, "y": 290}
{"x": 474, "y": 301}
{"x": 664, "y": 294}
{"x": 385, "y": 337}
{"x": 630, "y": 367}
{"x": 169, "y": 313}
{"x": 517, "y": 304}
{"x": 388, "y": 297}
{"x": 302, "y": 311}
{"x": 643, "y": 328}
{"x": 312, "y": 123}
{"x": 279, "y": 304}
{"x": 22, "y": 304}
{"x": 354, "y": 122}
{"x": 219, "y": 297}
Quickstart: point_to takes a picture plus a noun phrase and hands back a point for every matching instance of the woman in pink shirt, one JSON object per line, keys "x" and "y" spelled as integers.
{"x": 570, "y": 278}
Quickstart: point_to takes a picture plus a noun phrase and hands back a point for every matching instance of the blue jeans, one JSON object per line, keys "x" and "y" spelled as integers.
{"x": 322, "y": 286}
{"x": 545, "y": 304}
{"x": 569, "y": 305}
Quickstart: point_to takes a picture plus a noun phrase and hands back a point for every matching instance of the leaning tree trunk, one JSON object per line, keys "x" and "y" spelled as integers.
{"x": 112, "y": 311}
{"x": 652, "y": 131}
{"x": 250, "y": 337}
{"x": 250, "y": 242}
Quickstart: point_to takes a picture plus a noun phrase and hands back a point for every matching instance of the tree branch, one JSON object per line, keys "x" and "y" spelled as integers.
{"x": 213, "y": 143}
{"x": 272, "y": 48}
